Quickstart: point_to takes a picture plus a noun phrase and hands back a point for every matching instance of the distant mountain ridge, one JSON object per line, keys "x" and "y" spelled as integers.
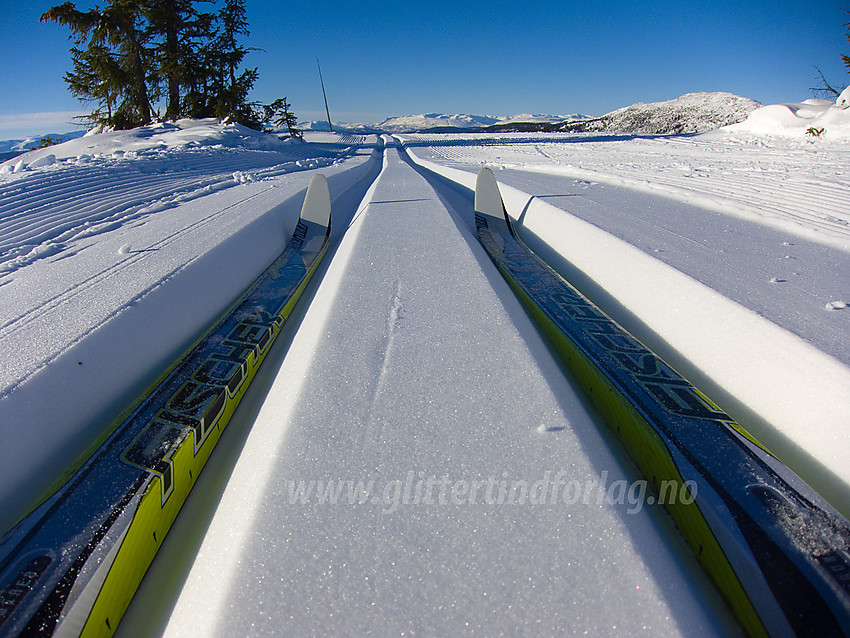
{"x": 441, "y": 122}
{"x": 438, "y": 121}
{"x": 13, "y": 148}
{"x": 690, "y": 113}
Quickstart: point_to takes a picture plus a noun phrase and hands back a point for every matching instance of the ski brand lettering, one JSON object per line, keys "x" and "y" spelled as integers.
{"x": 837, "y": 565}
{"x": 759, "y": 515}
{"x": 673, "y": 393}
{"x": 198, "y": 405}
{"x": 12, "y": 595}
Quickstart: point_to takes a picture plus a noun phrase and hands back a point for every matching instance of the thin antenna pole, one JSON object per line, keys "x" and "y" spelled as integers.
{"x": 331, "y": 126}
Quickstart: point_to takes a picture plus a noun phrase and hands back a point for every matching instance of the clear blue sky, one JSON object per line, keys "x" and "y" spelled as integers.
{"x": 496, "y": 58}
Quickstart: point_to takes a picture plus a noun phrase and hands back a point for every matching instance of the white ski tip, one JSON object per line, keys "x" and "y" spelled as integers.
{"x": 488, "y": 199}
{"x": 317, "y": 202}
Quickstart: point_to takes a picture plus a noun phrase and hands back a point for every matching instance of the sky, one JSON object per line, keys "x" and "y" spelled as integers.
{"x": 382, "y": 59}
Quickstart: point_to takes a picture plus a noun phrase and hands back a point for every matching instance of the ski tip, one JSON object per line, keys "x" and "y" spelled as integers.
{"x": 317, "y": 202}
{"x": 488, "y": 198}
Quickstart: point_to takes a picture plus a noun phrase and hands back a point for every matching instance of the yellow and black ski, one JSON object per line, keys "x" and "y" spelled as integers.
{"x": 778, "y": 553}
{"x": 74, "y": 563}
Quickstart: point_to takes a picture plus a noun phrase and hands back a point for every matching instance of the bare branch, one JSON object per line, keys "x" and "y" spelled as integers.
{"x": 825, "y": 87}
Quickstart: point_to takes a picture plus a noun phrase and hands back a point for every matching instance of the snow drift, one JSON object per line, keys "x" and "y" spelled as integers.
{"x": 813, "y": 118}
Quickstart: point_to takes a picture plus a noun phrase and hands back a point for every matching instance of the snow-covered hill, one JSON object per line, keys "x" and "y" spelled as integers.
{"x": 689, "y": 113}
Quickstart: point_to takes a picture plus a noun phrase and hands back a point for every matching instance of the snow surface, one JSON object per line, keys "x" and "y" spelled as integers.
{"x": 727, "y": 252}
{"x": 447, "y": 380}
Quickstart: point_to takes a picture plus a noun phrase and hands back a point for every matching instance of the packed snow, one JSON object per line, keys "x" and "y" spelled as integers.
{"x": 727, "y": 252}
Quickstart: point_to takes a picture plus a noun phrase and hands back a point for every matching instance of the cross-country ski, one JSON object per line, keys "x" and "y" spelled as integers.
{"x": 72, "y": 565}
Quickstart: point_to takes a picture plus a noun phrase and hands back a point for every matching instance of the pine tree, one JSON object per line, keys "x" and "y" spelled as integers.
{"x": 279, "y": 114}
{"x": 197, "y": 67}
{"x": 96, "y": 77}
{"x": 114, "y": 68}
{"x": 93, "y": 66}
{"x": 168, "y": 20}
{"x": 231, "y": 99}
{"x": 134, "y": 54}
{"x": 122, "y": 29}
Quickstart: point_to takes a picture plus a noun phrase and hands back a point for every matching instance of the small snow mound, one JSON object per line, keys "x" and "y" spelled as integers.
{"x": 843, "y": 100}
{"x": 125, "y": 249}
{"x": 242, "y": 178}
{"x": 44, "y": 160}
{"x": 160, "y": 137}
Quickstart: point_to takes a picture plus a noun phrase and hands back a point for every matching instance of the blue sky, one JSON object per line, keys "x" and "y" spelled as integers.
{"x": 381, "y": 59}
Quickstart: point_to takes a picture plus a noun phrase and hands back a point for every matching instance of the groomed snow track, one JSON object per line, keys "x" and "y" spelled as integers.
{"x": 412, "y": 459}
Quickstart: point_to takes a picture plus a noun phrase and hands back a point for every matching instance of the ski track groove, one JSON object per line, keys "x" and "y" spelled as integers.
{"x": 53, "y": 224}
{"x": 43, "y": 209}
{"x": 49, "y": 207}
{"x": 10, "y": 328}
{"x": 19, "y": 322}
